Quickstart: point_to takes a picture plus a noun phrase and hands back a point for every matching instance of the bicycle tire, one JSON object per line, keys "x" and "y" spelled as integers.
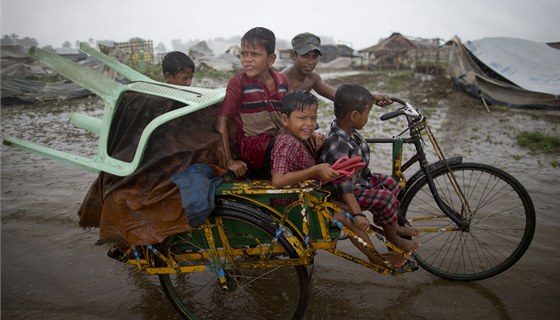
{"x": 500, "y": 229}
{"x": 253, "y": 293}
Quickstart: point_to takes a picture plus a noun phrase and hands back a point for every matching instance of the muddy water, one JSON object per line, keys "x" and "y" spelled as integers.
{"x": 52, "y": 269}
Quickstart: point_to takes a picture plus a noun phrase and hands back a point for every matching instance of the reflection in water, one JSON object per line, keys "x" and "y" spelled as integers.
{"x": 153, "y": 304}
{"x": 341, "y": 291}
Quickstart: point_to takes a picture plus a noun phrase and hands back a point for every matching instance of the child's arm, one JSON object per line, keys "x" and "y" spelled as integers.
{"x": 238, "y": 167}
{"x": 361, "y": 221}
{"x": 322, "y": 171}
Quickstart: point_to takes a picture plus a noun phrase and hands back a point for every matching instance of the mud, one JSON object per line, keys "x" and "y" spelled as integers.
{"x": 52, "y": 269}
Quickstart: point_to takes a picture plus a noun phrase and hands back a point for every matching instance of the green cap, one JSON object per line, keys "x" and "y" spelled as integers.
{"x": 305, "y": 42}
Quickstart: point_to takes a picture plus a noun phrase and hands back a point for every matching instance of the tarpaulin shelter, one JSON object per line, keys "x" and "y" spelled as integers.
{"x": 507, "y": 71}
{"x": 20, "y": 82}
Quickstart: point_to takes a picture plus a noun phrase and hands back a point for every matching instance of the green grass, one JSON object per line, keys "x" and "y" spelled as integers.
{"x": 499, "y": 108}
{"x": 539, "y": 142}
{"x": 396, "y": 80}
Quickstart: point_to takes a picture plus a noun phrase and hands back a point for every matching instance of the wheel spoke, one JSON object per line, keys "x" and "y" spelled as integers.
{"x": 500, "y": 228}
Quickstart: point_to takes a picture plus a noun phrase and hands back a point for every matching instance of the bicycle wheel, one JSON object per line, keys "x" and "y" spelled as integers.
{"x": 253, "y": 291}
{"x": 501, "y": 222}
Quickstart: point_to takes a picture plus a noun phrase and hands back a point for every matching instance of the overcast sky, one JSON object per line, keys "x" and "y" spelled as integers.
{"x": 357, "y": 23}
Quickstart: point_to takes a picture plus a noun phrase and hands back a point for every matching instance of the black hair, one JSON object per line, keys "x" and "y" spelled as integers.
{"x": 351, "y": 97}
{"x": 260, "y": 36}
{"x": 176, "y": 61}
{"x": 297, "y": 100}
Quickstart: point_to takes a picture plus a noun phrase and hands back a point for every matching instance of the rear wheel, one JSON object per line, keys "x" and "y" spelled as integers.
{"x": 253, "y": 290}
{"x": 501, "y": 222}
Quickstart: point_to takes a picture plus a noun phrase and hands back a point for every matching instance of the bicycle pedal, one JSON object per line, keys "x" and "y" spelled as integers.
{"x": 409, "y": 266}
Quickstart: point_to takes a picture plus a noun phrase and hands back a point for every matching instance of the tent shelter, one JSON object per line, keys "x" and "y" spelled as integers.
{"x": 391, "y": 51}
{"x": 399, "y": 51}
{"x": 508, "y": 71}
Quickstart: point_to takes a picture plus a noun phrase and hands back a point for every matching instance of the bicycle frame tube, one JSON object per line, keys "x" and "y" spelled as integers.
{"x": 420, "y": 157}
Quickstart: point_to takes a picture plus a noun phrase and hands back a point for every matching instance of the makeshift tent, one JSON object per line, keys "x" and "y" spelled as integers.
{"x": 394, "y": 49}
{"x": 507, "y": 71}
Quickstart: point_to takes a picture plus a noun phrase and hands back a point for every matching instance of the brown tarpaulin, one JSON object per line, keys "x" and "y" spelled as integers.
{"x": 145, "y": 207}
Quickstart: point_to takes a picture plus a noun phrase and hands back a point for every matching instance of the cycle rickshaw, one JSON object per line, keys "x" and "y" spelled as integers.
{"x": 253, "y": 259}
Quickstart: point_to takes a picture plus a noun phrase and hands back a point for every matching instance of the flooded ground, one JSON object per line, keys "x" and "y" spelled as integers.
{"x": 52, "y": 269}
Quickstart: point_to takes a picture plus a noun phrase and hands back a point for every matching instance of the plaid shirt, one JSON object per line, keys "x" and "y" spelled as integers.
{"x": 291, "y": 154}
{"x": 339, "y": 144}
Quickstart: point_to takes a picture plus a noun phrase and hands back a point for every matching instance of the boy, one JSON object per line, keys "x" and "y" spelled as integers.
{"x": 305, "y": 55}
{"x": 293, "y": 160}
{"x": 178, "y": 68}
{"x": 252, "y": 102}
{"x": 293, "y": 154}
{"x": 374, "y": 192}
{"x": 301, "y": 75}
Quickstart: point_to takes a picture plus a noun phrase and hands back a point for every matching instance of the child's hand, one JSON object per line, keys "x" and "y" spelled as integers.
{"x": 325, "y": 172}
{"x": 237, "y": 166}
{"x": 362, "y": 223}
{"x": 317, "y": 140}
{"x": 382, "y": 100}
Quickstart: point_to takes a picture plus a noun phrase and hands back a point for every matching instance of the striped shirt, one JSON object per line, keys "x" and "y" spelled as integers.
{"x": 256, "y": 113}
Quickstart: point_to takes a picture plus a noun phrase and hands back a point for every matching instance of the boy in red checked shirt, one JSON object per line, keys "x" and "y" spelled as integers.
{"x": 293, "y": 155}
{"x": 293, "y": 161}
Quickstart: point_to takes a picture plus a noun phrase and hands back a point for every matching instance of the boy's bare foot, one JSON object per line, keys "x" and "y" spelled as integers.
{"x": 395, "y": 259}
{"x": 406, "y": 231}
{"x": 405, "y": 244}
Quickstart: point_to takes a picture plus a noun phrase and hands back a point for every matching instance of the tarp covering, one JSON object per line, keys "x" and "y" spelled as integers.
{"x": 533, "y": 66}
{"x": 508, "y": 71}
{"x": 21, "y": 80}
{"x": 145, "y": 207}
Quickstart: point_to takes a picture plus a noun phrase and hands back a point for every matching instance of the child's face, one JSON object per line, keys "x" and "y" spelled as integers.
{"x": 255, "y": 60}
{"x": 181, "y": 78}
{"x": 306, "y": 63}
{"x": 301, "y": 123}
{"x": 361, "y": 118}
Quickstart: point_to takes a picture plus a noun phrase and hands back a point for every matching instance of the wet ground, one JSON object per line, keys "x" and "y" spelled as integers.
{"x": 52, "y": 269}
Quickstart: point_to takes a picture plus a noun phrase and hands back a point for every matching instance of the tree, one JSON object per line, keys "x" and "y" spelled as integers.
{"x": 7, "y": 40}
{"x": 66, "y": 44}
{"x": 28, "y": 42}
{"x": 48, "y": 48}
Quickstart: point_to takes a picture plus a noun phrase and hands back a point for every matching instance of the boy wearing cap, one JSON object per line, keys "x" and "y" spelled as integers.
{"x": 305, "y": 55}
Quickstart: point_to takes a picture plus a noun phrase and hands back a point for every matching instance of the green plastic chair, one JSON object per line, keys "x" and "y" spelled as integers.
{"x": 112, "y": 93}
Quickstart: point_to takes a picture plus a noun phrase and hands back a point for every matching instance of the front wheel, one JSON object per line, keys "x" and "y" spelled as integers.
{"x": 500, "y": 222}
{"x": 253, "y": 290}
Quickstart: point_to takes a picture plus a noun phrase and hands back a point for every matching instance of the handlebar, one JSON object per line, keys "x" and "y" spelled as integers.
{"x": 406, "y": 109}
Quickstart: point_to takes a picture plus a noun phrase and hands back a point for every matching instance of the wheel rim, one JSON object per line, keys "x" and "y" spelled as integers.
{"x": 269, "y": 293}
{"x": 501, "y": 223}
